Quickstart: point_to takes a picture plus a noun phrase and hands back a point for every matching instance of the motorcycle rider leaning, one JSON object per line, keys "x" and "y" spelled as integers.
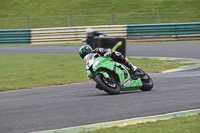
{"x": 116, "y": 56}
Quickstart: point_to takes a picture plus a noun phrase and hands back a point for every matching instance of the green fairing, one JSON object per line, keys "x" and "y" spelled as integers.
{"x": 80, "y": 52}
{"x": 126, "y": 84}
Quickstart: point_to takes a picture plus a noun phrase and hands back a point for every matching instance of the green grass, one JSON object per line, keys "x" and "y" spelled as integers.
{"x": 182, "y": 12}
{"x": 28, "y": 71}
{"x": 176, "y": 125}
{"x": 59, "y": 44}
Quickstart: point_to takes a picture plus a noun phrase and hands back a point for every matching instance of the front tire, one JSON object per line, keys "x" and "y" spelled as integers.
{"x": 147, "y": 83}
{"x": 100, "y": 80}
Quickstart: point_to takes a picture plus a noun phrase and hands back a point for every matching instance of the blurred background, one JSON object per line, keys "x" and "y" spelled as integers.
{"x": 25, "y": 14}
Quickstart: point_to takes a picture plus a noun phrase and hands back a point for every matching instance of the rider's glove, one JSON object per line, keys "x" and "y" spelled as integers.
{"x": 108, "y": 53}
{"x": 88, "y": 73}
{"x": 84, "y": 40}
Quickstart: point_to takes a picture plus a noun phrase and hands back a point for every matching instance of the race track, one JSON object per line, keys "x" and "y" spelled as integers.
{"x": 79, "y": 104}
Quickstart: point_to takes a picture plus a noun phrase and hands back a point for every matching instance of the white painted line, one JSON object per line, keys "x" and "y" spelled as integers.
{"x": 125, "y": 120}
{"x": 178, "y": 70}
{"x": 164, "y": 57}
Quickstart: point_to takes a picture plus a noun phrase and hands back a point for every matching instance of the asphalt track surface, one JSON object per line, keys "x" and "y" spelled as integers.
{"x": 79, "y": 104}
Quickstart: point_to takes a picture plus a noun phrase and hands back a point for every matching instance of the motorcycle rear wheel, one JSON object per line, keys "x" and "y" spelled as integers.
{"x": 109, "y": 88}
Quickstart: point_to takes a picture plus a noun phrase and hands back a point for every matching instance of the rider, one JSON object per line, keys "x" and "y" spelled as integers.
{"x": 90, "y": 35}
{"x": 116, "y": 56}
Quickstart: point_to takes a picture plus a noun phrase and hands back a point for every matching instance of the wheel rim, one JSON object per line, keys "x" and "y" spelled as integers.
{"x": 110, "y": 82}
{"x": 146, "y": 79}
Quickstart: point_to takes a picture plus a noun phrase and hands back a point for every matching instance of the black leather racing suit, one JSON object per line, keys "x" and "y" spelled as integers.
{"x": 116, "y": 56}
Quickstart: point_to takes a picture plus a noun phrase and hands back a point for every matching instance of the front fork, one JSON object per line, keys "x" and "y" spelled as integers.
{"x": 105, "y": 74}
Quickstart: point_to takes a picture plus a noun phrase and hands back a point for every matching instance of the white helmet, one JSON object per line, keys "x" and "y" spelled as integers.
{"x": 89, "y": 30}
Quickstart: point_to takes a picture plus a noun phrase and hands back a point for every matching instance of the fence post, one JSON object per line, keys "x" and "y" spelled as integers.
{"x": 112, "y": 19}
{"x": 159, "y": 19}
{"x": 69, "y": 20}
{"x": 27, "y": 22}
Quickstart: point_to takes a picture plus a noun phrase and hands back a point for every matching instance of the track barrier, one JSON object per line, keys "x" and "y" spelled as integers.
{"x": 139, "y": 32}
{"x": 21, "y": 36}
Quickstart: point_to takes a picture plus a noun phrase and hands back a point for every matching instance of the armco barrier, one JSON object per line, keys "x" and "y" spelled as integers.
{"x": 163, "y": 38}
{"x": 22, "y": 36}
{"x": 140, "y": 32}
{"x": 163, "y": 29}
{"x": 66, "y": 34}
{"x": 163, "y": 32}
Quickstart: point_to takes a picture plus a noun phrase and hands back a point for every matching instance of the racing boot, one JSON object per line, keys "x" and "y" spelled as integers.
{"x": 130, "y": 65}
{"x": 132, "y": 68}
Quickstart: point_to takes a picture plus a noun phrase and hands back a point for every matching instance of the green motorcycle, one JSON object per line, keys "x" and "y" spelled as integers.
{"x": 113, "y": 77}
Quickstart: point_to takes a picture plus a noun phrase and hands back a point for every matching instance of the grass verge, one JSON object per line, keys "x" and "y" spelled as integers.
{"x": 177, "y": 125}
{"x": 30, "y": 70}
{"x": 59, "y": 44}
{"x": 39, "y": 12}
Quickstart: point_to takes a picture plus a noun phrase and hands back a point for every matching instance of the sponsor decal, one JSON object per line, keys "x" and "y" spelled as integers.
{"x": 127, "y": 82}
{"x": 114, "y": 67}
{"x": 105, "y": 62}
{"x": 133, "y": 83}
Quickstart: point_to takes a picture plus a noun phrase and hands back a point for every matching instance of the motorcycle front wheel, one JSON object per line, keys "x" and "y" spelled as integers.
{"x": 108, "y": 85}
{"x": 147, "y": 82}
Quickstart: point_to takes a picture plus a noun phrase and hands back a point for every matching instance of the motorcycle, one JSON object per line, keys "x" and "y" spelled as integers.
{"x": 113, "y": 77}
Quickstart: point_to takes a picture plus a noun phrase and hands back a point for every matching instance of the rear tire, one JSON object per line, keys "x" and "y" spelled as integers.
{"x": 101, "y": 83}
